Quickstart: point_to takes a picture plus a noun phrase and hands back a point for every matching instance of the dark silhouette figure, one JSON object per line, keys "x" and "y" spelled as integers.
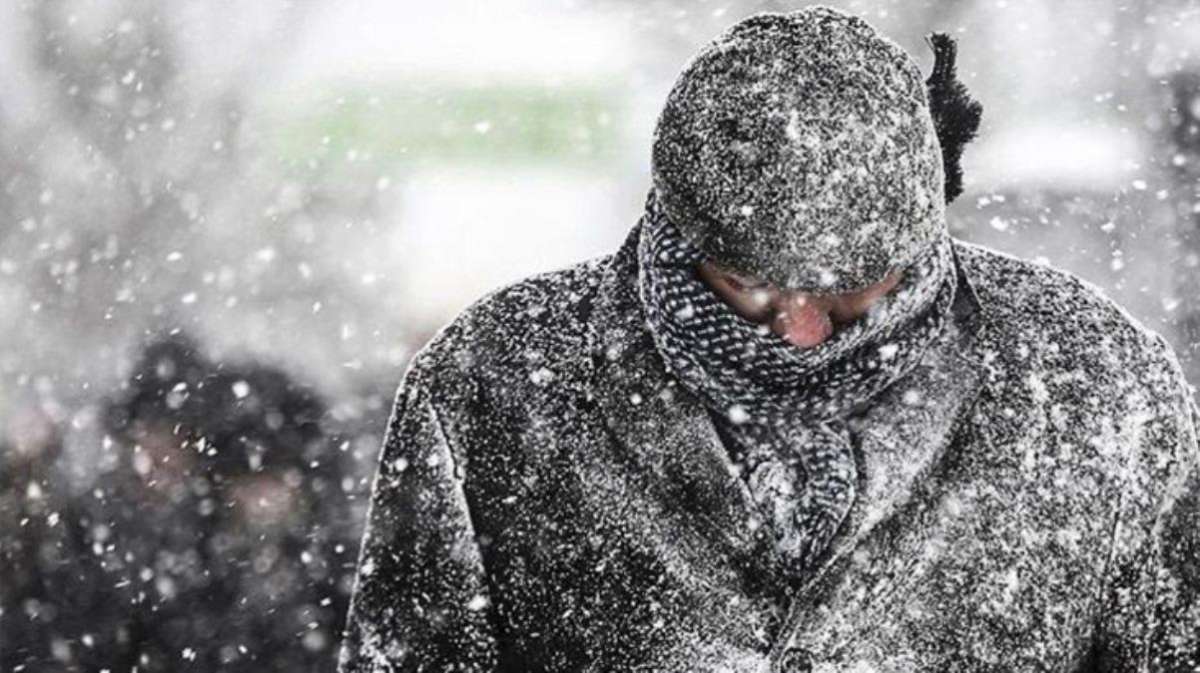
{"x": 223, "y": 539}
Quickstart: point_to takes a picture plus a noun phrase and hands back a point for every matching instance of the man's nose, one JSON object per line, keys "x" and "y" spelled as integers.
{"x": 802, "y": 319}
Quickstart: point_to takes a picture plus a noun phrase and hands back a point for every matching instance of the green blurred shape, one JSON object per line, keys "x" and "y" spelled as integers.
{"x": 441, "y": 123}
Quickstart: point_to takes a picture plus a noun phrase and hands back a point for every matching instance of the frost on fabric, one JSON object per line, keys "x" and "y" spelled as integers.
{"x": 1038, "y": 528}
{"x": 420, "y": 597}
{"x": 1027, "y": 499}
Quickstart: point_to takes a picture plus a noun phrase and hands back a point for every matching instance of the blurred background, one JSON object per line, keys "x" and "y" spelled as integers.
{"x": 225, "y": 227}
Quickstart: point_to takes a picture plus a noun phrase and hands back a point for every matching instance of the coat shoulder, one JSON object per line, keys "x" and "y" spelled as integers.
{"x": 540, "y": 321}
{"x": 1068, "y": 365}
{"x": 1028, "y": 306}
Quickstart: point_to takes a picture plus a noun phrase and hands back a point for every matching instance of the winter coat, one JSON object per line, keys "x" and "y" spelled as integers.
{"x": 548, "y": 499}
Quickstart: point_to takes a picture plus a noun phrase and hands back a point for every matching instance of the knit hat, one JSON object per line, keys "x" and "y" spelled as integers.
{"x": 800, "y": 149}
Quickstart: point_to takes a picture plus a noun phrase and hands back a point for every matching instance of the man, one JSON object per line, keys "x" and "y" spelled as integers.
{"x": 791, "y": 424}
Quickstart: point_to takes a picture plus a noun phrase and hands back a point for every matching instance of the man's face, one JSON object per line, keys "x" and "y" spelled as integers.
{"x": 803, "y": 319}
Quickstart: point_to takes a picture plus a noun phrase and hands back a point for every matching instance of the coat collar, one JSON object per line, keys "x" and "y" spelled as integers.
{"x": 901, "y": 438}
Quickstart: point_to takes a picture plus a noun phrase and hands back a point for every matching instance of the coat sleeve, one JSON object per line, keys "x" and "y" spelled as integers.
{"x": 1151, "y": 610}
{"x": 420, "y": 601}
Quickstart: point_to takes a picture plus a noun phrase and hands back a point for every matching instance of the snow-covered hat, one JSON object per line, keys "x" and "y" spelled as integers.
{"x": 799, "y": 148}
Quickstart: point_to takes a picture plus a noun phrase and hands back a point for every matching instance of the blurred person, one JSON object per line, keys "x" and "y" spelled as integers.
{"x": 216, "y": 541}
{"x": 791, "y": 424}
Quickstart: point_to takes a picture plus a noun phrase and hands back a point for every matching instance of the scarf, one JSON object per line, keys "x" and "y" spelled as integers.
{"x": 786, "y": 407}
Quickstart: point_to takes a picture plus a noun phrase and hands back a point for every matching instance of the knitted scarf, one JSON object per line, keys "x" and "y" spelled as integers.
{"x": 784, "y": 406}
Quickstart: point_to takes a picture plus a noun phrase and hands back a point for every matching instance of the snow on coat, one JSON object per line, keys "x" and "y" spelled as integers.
{"x": 548, "y": 499}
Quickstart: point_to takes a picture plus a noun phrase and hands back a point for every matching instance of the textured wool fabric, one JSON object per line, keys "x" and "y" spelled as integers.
{"x": 809, "y": 119}
{"x": 785, "y": 406}
{"x": 550, "y": 499}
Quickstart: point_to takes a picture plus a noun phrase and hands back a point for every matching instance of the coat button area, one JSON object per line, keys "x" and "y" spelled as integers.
{"x": 795, "y": 660}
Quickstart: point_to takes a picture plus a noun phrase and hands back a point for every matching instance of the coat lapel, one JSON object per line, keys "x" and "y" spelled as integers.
{"x": 666, "y": 430}
{"x": 661, "y": 426}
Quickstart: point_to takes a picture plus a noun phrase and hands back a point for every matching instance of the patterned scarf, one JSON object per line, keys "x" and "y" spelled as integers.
{"x": 785, "y": 407}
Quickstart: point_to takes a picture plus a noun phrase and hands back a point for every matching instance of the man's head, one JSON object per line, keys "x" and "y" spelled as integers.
{"x": 799, "y": 149}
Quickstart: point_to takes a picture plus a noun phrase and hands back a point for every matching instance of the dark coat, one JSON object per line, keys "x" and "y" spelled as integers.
{"x": 548, "y": 499}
